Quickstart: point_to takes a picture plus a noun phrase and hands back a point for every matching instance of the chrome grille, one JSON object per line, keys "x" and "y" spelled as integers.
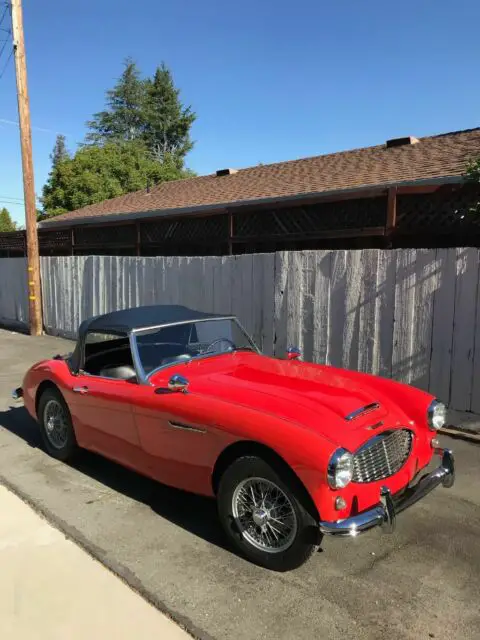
{"x": 382, "y": 456}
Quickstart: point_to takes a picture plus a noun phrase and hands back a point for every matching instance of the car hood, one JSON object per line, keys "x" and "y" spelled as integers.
{"x": 316, "y": 397}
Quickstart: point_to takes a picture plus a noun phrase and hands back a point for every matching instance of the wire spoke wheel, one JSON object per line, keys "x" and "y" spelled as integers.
{"x": 56, "y": 424}
{"x": 264, "y": 515}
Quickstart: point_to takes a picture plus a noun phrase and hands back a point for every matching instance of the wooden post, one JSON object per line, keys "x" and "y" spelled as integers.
{"x": 33, "y": 260}
{"x": 138, "y": 238}
{"x": 391, "y": 210}
{"x": 230, "y": 233}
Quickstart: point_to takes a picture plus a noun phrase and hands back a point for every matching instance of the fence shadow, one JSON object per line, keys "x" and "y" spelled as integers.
{"x": 417, "y": 305}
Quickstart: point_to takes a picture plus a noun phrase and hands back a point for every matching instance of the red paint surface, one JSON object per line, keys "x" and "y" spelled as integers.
{"x": 295, "y": 408}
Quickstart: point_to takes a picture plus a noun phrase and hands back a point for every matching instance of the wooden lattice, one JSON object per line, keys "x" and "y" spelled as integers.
{"x": 111, "y": 235}
{"x": 12, "y": 241}
{"x": 442, "y": 212}
{"x": 311, "y": 219}
{"x": 60, "y": 239}
{"x": 192, "y": 230}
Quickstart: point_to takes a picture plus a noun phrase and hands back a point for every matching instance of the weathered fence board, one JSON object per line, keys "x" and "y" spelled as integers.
{"x": 413, "y": 315}
{"x": 14, "y": 292}
{"x": 464, "y": 328}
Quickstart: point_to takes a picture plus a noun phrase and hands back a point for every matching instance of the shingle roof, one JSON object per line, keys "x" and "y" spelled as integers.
{"x": 432, "y": 157}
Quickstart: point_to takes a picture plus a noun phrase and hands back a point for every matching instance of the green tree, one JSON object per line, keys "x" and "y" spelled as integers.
{"x": 473, "y": 175}
{"x": 6, "y": 222}
{"x": 96, "y": 173}
{"x": 60, "y": 151}
{"x": 145, "y": 109}
{"x": 167, "y": 120}
{"x": 123, "y": 120}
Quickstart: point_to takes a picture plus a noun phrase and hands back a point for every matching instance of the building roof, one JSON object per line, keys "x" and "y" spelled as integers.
{"x": 429, "y": 158}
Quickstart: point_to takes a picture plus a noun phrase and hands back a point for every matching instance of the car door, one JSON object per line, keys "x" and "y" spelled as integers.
{"x": 102, "y": 413}
{"x": 178, "y": 436}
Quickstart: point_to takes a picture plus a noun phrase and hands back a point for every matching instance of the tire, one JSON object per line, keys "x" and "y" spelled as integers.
{"x": 56, "y": 426}
{"x": 288, "y": 545}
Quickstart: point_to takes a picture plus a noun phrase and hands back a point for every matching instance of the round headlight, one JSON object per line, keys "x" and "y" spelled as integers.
{"x": 340, "y": 469}
{"x": 436, "y": 415}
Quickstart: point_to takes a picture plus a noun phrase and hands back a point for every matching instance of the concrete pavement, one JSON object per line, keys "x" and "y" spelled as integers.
{"x": 421, "y": 582}
{"x": 50, "y": 588}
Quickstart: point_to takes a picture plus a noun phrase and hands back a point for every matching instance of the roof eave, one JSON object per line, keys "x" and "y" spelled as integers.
{"x": 227, "y": 206}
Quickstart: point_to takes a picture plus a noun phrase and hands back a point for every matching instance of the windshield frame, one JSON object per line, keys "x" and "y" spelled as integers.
{"x": 144, "y": 378}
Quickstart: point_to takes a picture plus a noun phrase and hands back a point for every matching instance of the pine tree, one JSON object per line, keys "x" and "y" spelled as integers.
{"x": 60, "y": 151}
{"x": 149, "y": 110}
{"x": 123, "y": 119}
{"x": 6, "y": 222}
{"x": 167, "y": 120}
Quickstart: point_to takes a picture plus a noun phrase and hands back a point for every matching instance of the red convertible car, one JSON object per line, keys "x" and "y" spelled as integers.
{"x": 291, "y": 450}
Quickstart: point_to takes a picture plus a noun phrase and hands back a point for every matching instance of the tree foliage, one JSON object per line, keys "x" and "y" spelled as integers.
{"x": 167, "y": 121}
{"x": 123, "y": 119}
{"x": 60, "y": 151}
{"x": 473, "y": 175}
{"x": 147, "y": 109}
{"x": 141, "y": 137}
{"x": 96, "y": 173}
{"x": 6, "y": 222}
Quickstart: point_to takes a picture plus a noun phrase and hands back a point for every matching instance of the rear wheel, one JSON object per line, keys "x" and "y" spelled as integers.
{"x": 264, "y": 515}
{"x": 56, "y": 425}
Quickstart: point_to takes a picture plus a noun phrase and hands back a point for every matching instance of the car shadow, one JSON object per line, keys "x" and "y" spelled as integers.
{"x": 196, "y": 514}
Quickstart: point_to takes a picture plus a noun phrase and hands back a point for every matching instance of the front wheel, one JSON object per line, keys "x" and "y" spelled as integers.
{"x": 264, "y": 516}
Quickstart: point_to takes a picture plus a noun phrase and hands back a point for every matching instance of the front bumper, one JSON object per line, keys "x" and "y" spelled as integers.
{"x": 385, "y": 512}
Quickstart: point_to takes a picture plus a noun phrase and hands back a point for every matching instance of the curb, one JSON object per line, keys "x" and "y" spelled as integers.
{"x": 461, "y": 433}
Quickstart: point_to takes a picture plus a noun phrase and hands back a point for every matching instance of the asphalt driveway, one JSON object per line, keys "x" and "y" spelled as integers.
{"x": 422, "y": 582}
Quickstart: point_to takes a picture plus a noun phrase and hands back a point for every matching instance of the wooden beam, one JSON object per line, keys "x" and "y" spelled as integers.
{"x": 391, "y": 210}
{"x": 330, "y": 234}
{"x": 230, "y": 233}
{"x": 138, "y": 237}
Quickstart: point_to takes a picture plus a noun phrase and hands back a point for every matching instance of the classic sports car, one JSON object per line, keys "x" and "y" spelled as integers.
{"x": 291, "y": 450}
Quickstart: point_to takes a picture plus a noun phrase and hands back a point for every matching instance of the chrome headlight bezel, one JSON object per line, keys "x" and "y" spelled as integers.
{"x": 436, "y": 415}
{"x": 341, "y": 460}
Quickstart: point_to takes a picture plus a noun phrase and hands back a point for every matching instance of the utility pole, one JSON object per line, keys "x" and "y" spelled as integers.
{"x": 33, "y": 260}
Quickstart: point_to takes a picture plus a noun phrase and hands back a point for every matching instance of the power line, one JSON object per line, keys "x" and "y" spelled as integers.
{"x": 3, "y": 15}
{"x": 6, "y": 64}
{"x": 4, "y": 45}
{"x": 12, "y": 200}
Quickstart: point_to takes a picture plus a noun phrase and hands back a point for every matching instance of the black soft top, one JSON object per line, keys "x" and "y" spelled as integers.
{"x": 127, "y": 320}
{"x": 123, "y": 322}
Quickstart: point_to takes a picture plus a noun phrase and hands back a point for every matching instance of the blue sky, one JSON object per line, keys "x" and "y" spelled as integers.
{"x": 269, "y": 80}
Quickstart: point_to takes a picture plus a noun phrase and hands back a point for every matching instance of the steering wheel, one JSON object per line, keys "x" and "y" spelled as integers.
{"x": 220, "y": 340}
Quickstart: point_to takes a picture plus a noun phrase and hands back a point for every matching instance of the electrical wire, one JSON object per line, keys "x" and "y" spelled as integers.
{"x": 6, "y": 64}
{"x": 12, "y": 200}
{"x": 4, "y": 45}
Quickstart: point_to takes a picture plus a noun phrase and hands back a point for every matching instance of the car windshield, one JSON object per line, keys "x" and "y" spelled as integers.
{"x": 182, "y": 342}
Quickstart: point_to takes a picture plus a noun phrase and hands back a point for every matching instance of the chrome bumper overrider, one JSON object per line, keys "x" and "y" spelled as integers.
{"x": 385, "y": 512}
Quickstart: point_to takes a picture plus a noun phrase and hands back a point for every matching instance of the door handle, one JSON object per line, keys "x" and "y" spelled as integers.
{"x": 82, "y": 390}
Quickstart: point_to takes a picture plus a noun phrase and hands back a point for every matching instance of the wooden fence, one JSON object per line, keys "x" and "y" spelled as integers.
{"x": 14, "y": 293}
{"x": 407, "y": 314}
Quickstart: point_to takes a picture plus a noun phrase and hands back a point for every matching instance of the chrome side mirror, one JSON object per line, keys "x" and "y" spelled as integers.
{"x": 178, "y": 383}
{"x": 293, "y": 353}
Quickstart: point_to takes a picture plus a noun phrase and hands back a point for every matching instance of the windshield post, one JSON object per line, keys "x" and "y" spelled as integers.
{"x": 141, "y": 375}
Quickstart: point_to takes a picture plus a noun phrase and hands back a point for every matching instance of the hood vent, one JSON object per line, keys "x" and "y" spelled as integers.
{"x": 401, "y": 142}
{"x": 226, "y": 172}
{"x": 361, "y": 411}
